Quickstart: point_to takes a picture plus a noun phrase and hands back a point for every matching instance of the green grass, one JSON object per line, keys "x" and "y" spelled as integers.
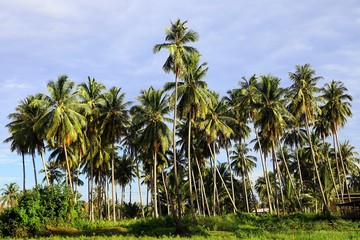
{"x": 233, "y": 226}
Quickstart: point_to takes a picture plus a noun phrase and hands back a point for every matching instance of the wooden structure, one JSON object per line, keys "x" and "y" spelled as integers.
{"x": 350, "y": 209}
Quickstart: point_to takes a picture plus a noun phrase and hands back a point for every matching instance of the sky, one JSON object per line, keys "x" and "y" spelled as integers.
{"x": 112, "y": 41}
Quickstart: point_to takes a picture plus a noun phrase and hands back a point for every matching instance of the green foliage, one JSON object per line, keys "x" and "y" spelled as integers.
{"x": 39, "y": 207}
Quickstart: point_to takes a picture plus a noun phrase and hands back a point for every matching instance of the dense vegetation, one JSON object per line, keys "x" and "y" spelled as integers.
{"x": 91, "y": 130}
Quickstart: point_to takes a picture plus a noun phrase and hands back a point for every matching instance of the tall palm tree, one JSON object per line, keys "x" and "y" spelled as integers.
{"x": 10, "y": 194}
{"x": 336, "y": 110}
{"x": 114, "y": 118}
{"x": 62, "y": 121}
{"x": 304, "y": 106}
{"x": 155, "y": 137}
{"x": 177, "y": 36}
{"x": 90, "y": 94}
{"x": 243, "y": 163}
{"x": 215, "y": 126}
{"x": 271, "y": 115}
{"x": 193, "y": 101}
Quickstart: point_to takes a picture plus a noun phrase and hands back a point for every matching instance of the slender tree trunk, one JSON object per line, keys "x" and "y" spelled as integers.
{"x": 338, "y": 170}
{"x": 24, "y": 172}
{"x": 166, "y": 192}
{"x": 45, "y": 168}
{"x": 113, "y": 178}
{"x": 331, "y": 172}
{"x": 189, "y": 169}
{"x": 139, "y": 185}
{"x": 34, "y": 166}
{"x": 245, "y": 191}
{"x": 222, "y": 180}
{"x": 68, "y": 167}
{"x": 231, "y": 174}
{"x": 202, "y": 183}
{"x": 156, "y": 215}
{"x": 290, "y": 177}
{"x": 315, "y": 165}
{"x": 196, "y": 192}
{"x": 299, "y": 167}
{"x": 265, "y": 172}
{"x": 91, "y": 193}
{"x": 275, "y": 188}
{"x": 175, "y": 152}
{"x": 343, "y": 166}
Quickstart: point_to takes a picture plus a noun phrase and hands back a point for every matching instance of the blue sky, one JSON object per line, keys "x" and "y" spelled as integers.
{"x": 113, "y": 40}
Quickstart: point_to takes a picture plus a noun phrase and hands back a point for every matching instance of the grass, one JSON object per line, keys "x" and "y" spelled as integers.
{"x": 233, "y": 226}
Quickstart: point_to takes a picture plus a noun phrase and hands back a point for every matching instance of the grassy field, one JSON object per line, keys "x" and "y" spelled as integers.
{"x": 235, "y": 226}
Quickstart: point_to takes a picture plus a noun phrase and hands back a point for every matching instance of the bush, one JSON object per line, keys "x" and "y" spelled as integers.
{"x": 36, "y": 208}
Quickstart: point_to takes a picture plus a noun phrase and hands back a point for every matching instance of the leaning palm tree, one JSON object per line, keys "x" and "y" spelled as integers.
{"x": 9, "y": 194}
{"x": 114, "y": 118}
{"x": 155, "y": 136}
{"x": 177, "y": 36}
{"x": 336, "y": 110}
{"x": 193, "y": 101}
{"x": 61, "y": 123}
{"x": 304, "y": 106}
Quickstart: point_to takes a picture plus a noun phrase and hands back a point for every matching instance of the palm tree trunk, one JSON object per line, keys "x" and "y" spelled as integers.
{"x": 196, "y": 192}
{"x": 34, "y": 167}
{"x": 315, "y": 165}
{"x": 338, "y": 170}
{"x": 45, "y": 168}
{"x": 222, "y": 180}
{"x": 290, "y": 177}
{"x": 343, "y": 166}
{"x": 156, "y": 215}
{"x": 202, "y": 183}
{"x": 140, "y": 192}
{"x": 264, "y": 172}
{"x": 166, "y": 192}
{"x": 24, "y": 172}
{"x": 299, "y": 167}
{"x": 113, "y": 177}
{"x": 245, "y": 191}
{"x": 331, "y": 172}
{"x": 68, "y": 167}
{"x": 189, "y": 169}
{"x": 231, "y": 174}
{"x": 91, "y": 200}
{"x": 174, "y": 150}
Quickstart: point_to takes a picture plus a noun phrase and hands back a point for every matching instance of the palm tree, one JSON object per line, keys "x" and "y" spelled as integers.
{"x": 214, "y": 126}
{"x": 304, "y": 106}
{"x": 61, "y": 121}
{"x": 177, "y": 36}
{"x": 193, "y": 101}
{"x": 54, "y": 173}
{"x": 336, "y": 110}
{"x": 155, "y": 137}
{"x": 90, "y": 94}
{"x": 10, "y": 194}
{"x": 114, "y": 118}
{"x": 242, "y": 163}
{"x": 271, "y": 115}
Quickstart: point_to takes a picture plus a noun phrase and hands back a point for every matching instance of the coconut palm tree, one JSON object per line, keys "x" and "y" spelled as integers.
{"x": 336, "y": 110}
{"x": 304, "y": 107}
{"x": 177, "y": 36}
{"x": 215, "y": 126}
{"x": 62, "y": 121}
{"x": 193, "y": 99}
{"x": 114, "y": 118}
{"x": 155, "y": 137}
{"x": 271, "y": 115}
{"x": 9, "y": 194}
{"x": 90, "y": 93}
{"x": 243, "y": 163}
{"x": 54, "y": 172}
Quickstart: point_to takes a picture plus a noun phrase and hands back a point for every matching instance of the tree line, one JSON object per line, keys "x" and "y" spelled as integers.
{"x": 91, "y": 130}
